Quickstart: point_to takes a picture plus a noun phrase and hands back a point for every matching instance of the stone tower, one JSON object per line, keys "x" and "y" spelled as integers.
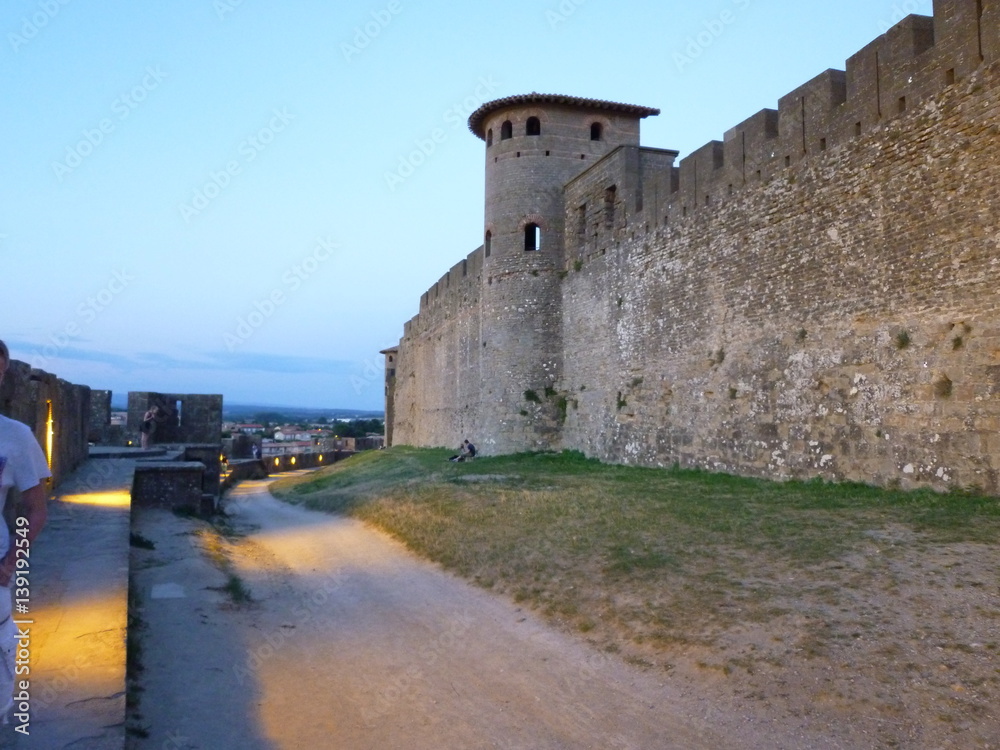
{"x": 535, "y": 144}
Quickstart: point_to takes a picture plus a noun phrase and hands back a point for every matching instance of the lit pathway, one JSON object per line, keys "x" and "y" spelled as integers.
{"x": 78, "y": 609}
{"x": 356, "y": 643}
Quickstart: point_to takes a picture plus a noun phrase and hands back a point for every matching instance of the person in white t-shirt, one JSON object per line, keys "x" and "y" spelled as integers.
{"x": 22, "y": 465}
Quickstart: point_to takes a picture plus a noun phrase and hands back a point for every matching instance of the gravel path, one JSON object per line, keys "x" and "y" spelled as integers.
{"x": 354, "y": 642}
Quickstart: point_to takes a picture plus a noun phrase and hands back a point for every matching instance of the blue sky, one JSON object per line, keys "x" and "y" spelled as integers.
{"x": 229, "y": 196}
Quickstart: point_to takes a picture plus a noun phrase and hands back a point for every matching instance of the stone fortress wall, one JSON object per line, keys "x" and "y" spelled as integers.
{"x": 815, "y": 295}
{"x": 63, "y": 416}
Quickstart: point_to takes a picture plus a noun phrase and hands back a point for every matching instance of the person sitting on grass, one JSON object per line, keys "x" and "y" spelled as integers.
{"x": 466, "y": 451}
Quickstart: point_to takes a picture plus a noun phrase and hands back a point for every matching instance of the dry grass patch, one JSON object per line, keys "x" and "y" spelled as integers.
{"x": 842, "y": 588}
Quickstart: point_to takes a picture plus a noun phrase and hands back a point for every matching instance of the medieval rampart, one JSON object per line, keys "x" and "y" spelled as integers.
{"x": 813, "y": 296}
{"x": 444, "y": 349}
{"x": 59, "y": 413}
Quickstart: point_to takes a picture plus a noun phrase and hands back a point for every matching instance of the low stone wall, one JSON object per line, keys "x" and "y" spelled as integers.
{"x": 261, "y": 468}
{"x": 209, "y": 454}
{"x": 296, "y": 461}
{"x": 171, "y": 484}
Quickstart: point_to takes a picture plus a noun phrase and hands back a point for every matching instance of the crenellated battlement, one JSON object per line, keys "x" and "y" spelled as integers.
{"x": 916, "y": 59}
{"x": 454, "y": 291}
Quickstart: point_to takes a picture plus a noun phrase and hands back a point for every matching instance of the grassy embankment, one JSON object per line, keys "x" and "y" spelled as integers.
{"x": 639, "y": 559}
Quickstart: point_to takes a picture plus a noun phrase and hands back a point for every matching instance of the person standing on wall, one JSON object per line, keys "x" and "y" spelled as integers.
{"x": 22, "y": 465}
{"x": 148, "y": 426}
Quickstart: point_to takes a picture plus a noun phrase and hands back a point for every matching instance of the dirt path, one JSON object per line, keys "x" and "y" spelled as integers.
{"x": 353, "y": 642}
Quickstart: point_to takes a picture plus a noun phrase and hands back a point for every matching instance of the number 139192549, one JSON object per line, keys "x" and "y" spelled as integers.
{"x": 22, "y": 551}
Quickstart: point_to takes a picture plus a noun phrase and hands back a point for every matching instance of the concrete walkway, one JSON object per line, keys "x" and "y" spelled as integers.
{"x": 78, "y": 614}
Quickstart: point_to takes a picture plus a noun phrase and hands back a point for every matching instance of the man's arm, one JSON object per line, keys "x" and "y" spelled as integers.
{"x": 36, "y": 511}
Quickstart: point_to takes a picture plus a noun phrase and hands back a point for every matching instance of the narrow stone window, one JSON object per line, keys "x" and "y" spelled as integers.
{"x": 857, "y": 128}
{"x": 533, "y": 126}
{"x": 708, "y": 200}
{"x": 488, "y": 243}
{"x": 596, "y": 131}
{"x": 610, "y": 195}
{"x": 949, "y": 77}
{"x": 532, "y": 238}
{"x": 788, "y": 161}
{"x": 506, "y": 130}
{"x": 489, "y": 137}
{"x": 822, "y": 144}
{"x": 901, "y": 105}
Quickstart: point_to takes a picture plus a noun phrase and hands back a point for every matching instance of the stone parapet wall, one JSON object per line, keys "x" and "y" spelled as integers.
{"x": 842, "y": 322}
{"x": 47, "y": 404}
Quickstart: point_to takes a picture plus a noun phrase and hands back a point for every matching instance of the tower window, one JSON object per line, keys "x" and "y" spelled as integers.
{"x": 596, "y": 131}
{"x": 533, "y": 126}
{"x": 506, "y": 130}
{"x": 532, "y": 238}
{"x": 488, "y": 243}
{"x": 489, "y": 137}
{"x": 610, "y": 195}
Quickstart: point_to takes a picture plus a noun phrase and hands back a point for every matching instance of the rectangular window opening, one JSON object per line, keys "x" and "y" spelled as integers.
{"x": 610, "y": 196}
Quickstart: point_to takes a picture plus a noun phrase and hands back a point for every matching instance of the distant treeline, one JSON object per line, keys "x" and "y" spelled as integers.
{"x": 358, "y": 428}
